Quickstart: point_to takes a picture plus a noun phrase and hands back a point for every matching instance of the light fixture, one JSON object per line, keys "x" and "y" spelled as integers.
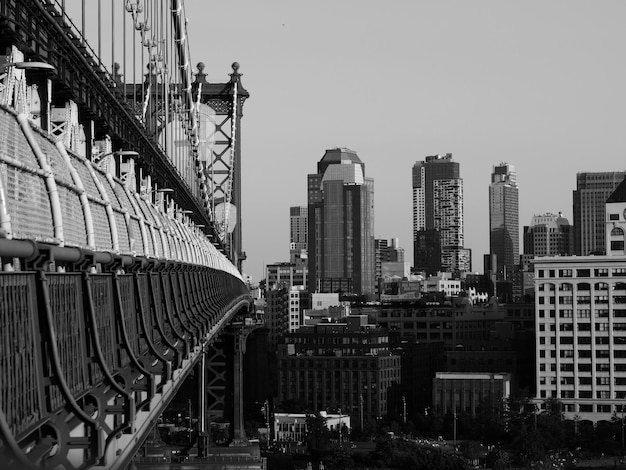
{"x": 35, "y": 66}
{"x": 186, "y": 212}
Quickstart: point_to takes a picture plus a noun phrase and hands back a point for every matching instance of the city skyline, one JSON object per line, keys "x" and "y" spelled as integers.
{"x": 536, "y": 84}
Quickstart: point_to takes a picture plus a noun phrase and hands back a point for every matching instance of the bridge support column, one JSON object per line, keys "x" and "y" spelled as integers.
{"x": 239, "y": 432}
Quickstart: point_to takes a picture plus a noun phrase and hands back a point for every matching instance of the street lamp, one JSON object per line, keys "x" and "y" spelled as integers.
{"x": 37, "y": 66}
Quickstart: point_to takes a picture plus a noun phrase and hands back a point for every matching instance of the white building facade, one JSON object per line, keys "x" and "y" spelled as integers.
{"x": 580, "y": 306}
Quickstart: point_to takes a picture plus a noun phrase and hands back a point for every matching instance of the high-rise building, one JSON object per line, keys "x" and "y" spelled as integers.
{"x": 298, "y": 234}
{"x": 548, "y": 235}
{"x": 438, "y": 216}
{"x": 504, "y": 219}
{"x": 590, "y": 195}
{"x": 341, "y": 225}
{"x": 580, "y": 303}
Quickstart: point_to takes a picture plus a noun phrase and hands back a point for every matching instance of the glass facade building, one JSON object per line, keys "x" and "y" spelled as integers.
{"x": 592, "y": 191}
{"x": 341, "y": 224}
{"x": 504, "y": 219}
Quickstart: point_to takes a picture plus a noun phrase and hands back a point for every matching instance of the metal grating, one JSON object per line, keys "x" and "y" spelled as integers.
{"x": 144, "y": 292}
{"x": 29, "y": 205}
{"x": 67, "y": 312}
{"x": 129, "y": 313}
{"x": 122, "y": 196}
{"x": 108, "y": 189}
{"x": 122, "y": 232}
{"x": 143, "y": 206}
{"x": 102, "y": 295}
{"x": 59, "y": 168}
{"x": 13, "y": 142}
{"x": 86, "y": 178}
{"x": 150, "y": 248}
{"x": 74, "y": 230}
{"x": 136, "y": 244}
{"x": 19, "y": 387}
{"x": 101, "y": 228}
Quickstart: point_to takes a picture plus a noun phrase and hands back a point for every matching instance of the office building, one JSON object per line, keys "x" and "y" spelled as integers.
{"x": 438, "y": 216}
{"x": 298, "y": 235}
{"x": 504, "y": 219}
{"x": 389, "y": 258}
{"x": 580, "y": 304}
{"x": 285, "y": 275}
{"x": 344, "y": 364}
{"x": 590, "y": 195}
{"x": 548, "y": 235}
{"x": 341, "y": 225}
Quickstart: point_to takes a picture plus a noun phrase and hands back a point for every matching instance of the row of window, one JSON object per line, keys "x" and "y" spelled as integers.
{"x": 583, "y": 381}
{"x": 581, "y": 313}
{"x": 583, "y": 300}
{"x": 584, "y": 367}
{"x": 581, "y": 286}
{"x": 581, "y": 272}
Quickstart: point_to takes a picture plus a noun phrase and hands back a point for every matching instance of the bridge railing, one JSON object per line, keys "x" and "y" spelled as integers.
{"x": 85, "y": 351}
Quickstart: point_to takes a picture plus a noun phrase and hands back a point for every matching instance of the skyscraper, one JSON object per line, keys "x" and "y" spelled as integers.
{"x": 341, "y": 225}
{"x": 592, "y": 191}
{"x": 298, "y": 235}
{"x": 438, "y": 216}
{"x": 504, "y": 219}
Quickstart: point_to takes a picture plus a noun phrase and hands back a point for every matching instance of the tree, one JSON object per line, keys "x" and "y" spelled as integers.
{"x": 317, "y": 436}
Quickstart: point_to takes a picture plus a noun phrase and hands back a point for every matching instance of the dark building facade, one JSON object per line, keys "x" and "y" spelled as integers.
{"x": 341, "y": 224}
{"x": 438, "y": 216}
{"x": 345, "y": 364}
{"x": 504, "y": 219}
{"x": 592, "y": 191}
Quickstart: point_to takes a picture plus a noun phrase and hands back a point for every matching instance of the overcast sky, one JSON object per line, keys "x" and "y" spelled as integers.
{"x": 538, "y": 84}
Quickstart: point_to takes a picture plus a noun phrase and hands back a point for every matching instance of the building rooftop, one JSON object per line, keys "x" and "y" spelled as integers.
{"x": 338, "y": 156}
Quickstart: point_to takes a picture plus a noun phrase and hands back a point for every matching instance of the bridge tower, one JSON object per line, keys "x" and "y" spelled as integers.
{"x": 219, "y": 108}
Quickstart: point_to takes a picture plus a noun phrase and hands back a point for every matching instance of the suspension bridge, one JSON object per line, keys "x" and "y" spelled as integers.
{"x": 120, "y": 229}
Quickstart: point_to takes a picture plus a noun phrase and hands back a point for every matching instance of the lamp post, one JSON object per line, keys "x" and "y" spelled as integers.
{"x": 454, "y": 429}
{"x": 403, "y": 409}
{"x": 622, "y": 429}
{"x": 42, "y": 67}
{"x": 340, "y": 426}
{"x": 361, "y": 410}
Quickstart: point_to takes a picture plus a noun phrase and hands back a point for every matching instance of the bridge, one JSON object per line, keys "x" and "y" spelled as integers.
{"x": 120, "y": 229}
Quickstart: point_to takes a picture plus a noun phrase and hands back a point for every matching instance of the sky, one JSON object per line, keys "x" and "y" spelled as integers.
{"x": 538, "y": 84}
